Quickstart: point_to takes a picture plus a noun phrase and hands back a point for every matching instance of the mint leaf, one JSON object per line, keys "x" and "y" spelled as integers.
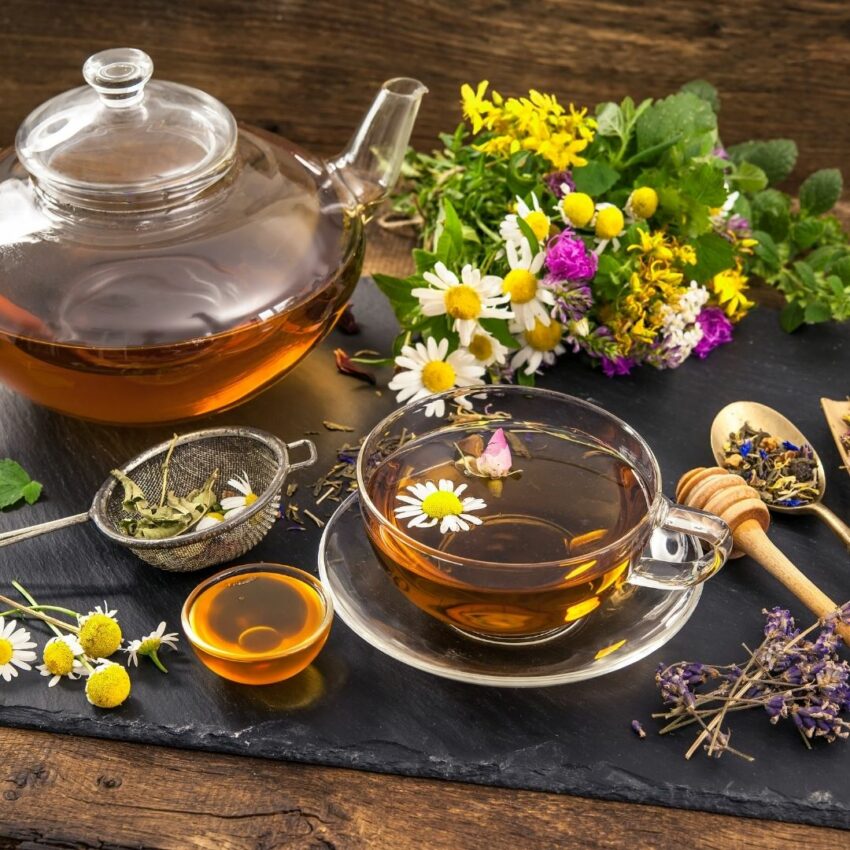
{"x": 678, "y": 116}
{"x": 714, "y": 254}
{"x": 15, "y": 484}
{"x": 595, "y": 178}
{"x": 704, "y": 184}
{"x": 771, "y": 213}
{"x": 815, "y": 313}
{"x": 776, "y": 158}
{"x": 498, "y": 328}
{"x": 749, "y": 178}
{"x": 791, "y": 317}
{"x": 705, "y": 90}
{"x": 766, "y": 250}
{"x": 610, "y": 120}
{"x": 806, "y": 232}
{"x": 820, "y": 191}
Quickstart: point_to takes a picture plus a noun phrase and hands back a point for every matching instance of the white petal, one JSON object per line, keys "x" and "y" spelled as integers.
{"x": 229, "y": 503}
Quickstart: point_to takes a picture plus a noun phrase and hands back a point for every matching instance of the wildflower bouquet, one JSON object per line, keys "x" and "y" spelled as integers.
{"x": 629, "y": 236}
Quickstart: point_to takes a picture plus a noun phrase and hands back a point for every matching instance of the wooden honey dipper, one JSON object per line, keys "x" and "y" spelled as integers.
{"x": 727, "y": 495}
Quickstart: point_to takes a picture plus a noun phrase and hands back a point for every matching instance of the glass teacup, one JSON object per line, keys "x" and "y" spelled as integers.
{"x": 519, "y": 547}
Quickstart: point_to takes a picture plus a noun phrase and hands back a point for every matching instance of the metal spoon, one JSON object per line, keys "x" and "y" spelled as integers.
{"x": 734, "y": 416}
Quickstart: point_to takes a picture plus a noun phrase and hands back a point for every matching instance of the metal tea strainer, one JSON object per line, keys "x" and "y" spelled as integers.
{"x": 261, "y": 456}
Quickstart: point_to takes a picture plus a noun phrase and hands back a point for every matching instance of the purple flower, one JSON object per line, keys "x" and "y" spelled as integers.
{"x": 572, "y": 299}
{"x": 615, "y": 366}
{"x": 567, "y": 257}
{"x": 716, "y": 330}
{"x": 720, "y": 152}
{"x": 739, "y": 225}
{"x": 556, "y": 179}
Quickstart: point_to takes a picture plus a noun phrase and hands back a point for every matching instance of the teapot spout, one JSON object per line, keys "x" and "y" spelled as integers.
{"x": 371, "y": 163}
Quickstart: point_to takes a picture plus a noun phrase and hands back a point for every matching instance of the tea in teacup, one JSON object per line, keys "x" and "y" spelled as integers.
{"x": 512, "y": 540}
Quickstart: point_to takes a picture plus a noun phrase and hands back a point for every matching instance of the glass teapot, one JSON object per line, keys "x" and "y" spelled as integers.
{"x": 157, "y": 262}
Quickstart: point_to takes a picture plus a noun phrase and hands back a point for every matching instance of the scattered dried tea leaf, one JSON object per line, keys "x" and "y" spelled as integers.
{"x": 346, "y": 366}
{"x": 319, "y": 522}
{"x": 16, "y": 484}
{"x": 518, "y": 447}
{"x": 346, "y": 323}
{"x": 335, "y": 426}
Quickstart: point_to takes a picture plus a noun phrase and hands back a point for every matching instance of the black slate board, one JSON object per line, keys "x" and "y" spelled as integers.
{"x": 355, "y": 707}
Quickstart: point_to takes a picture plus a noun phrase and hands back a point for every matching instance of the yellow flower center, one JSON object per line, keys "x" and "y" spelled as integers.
{"x": 521, "y": 285}
{"x": 463, "y": 302}
{"x": 438, "y": 376}
{"x": 441, "y": 504}
{"x": 544, "y": 337}
{"x": 109, "y": 687}
{"x": 6, "y": 650}
{"x": 58, "y": 658}
{"x": 219, "y": 517}
{"x": 539, "y": 223}
{"x": 481, "y": 347}
{"x": 152, "y": 644}
{"x": 578, "y": 208}
{"x": 100, "y": 636}
{"x": 644, "y": 202}
{"x": 609, "y": 223}
{"x": 250, "y": 499}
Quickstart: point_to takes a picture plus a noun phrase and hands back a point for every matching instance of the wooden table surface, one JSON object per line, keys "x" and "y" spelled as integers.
{"x": 307, "y": 68}
{"x": 70, "y": 793}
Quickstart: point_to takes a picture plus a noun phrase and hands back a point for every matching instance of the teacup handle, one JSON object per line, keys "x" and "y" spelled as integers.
{"x": 653, "y": 570}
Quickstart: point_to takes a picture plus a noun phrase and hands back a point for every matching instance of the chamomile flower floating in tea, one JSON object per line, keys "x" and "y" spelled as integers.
{"x": 427, "y": 370}
{"x": 150, "y": 645}
{"x": 439, "y": 503}
{"x": 231, "y": 505}
{"x": 61, "y": 657}
{"x": 467, "y": 301}
{"x": 533, "y": 216}
{"x": 530, "y": 300}
{"x": 16, "y": 650}
{"x": 540, "y": 344}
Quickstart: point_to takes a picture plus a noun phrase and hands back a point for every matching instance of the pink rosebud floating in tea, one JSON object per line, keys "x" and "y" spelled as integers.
{"x": 495, "y": 461}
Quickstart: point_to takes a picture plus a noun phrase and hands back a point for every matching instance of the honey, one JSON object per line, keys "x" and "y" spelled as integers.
{"x": 257, "y": 626}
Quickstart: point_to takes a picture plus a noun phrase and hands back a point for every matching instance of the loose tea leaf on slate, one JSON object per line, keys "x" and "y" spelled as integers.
{"x": 16, "y": 485}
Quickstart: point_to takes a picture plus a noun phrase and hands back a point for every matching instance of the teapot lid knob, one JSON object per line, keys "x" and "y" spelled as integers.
{"x": 119, "y": 75}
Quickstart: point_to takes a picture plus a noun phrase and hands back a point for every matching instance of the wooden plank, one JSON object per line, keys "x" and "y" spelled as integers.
{"x": 80, "y": 793}
{"x": 307, "y": 68}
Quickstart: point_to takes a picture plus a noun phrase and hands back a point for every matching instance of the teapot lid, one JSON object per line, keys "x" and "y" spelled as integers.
{"x": 126, "y": 141}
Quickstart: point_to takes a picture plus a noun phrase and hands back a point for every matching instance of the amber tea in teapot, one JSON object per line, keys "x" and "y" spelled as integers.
{"x": 159, "y": 263}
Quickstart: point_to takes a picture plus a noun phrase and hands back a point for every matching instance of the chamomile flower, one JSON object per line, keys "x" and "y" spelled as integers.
{"x": 441, "y": 503}
{"x": 532, "y": 215}
{"x": 486, "y": 349}
{"x": 576, "y": 208}
{"x": 467, "y": 300}
{"x": 61, "y": 658}
{"x": 209, "y": 520}
{"x": 100, "y": 635}
{"x": 428, "y": 369}
{"x": 234, "y": 504}
{"x": 608, "y": 225}
{"x": 530, "y": 301}
{"x": 150, "y": 646}
{"x": 16, "y": 650}
{"x": 540, "y": 345}
{"x": 108, "y": 685}
{"x": 642, "y": 203}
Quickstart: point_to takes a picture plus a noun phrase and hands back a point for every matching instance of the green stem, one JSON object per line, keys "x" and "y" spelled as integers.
{"x": 28, "y": 596}
{"x": 155, "y": 658}
{"x": 59, "y": 608}
{"x": 85, "y": 662}
{"x": 39, "y": 616}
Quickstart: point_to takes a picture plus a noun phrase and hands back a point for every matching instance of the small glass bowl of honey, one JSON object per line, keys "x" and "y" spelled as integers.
{"x": 258, "y": 623}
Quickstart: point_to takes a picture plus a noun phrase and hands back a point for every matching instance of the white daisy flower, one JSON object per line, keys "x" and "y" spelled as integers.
{"x": 540, "y": 345}
{"x": 467, "y": 300}
{"x": 233, "y": 504}
{"x": 432, "y": 503}
{"x": 209, "y": 520}
{"x": 486, "y": 349}
{"x": 104, "y": 612}
{"x": 16, "y": 650}
{"x": 720, "y": 216}
{"x": 150, "y": 646}
{"x": 609, "y": 224}
{"x": 532, "y": 215}
{"x": 427, "y": 371}
{"x": 529, "y": 300}
{"x": 61, "y": 658}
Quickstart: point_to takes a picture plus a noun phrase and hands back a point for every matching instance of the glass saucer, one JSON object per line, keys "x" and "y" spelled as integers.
{"x": 633, "y": 622}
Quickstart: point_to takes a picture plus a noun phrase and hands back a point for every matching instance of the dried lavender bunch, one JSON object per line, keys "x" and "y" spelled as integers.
{"x": 793, "y": 675}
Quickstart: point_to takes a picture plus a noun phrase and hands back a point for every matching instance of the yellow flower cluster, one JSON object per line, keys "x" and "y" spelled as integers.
{"x": 657, "y": 279}
{"x": 535, "y": 123}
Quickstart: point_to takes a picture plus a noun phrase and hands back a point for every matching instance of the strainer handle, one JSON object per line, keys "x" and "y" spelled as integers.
{"x": 311, "y": 449}
{"x": 7, "y": 538}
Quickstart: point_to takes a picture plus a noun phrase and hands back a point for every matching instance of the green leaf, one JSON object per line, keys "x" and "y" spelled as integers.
{"x": 776, "y": 157}
{"x": 748, "y": 178}
{"x": 806, "y": 232}
{"x": 675, "y": 117}
{"x": 523, "y": 379}
{"x": 816, "y": 313}
{"x": 714, "y": 254}
{"x": 610, "y": 120}
{"x": 704, "y": 90}
{"x": 452, "y": 225}
{"x": 424, "y": 260}
{"x": 791, "y": 317}
{"x": 15, "y": 484}
{"x": 806, "y": 274}
{"x": 704, "y": 184}
{"x": 405, "y": 306}
{"x": 841, "y": 267}
{"x": 820, "y": 191}
{"x": 498, "y": 328}
{"x": 528, "y": 233}
{"x": 595, "y": 178}
{"x": 836, "y": 284}
{"x": 766, "y": 250}
{"x": 771, "y": 213}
